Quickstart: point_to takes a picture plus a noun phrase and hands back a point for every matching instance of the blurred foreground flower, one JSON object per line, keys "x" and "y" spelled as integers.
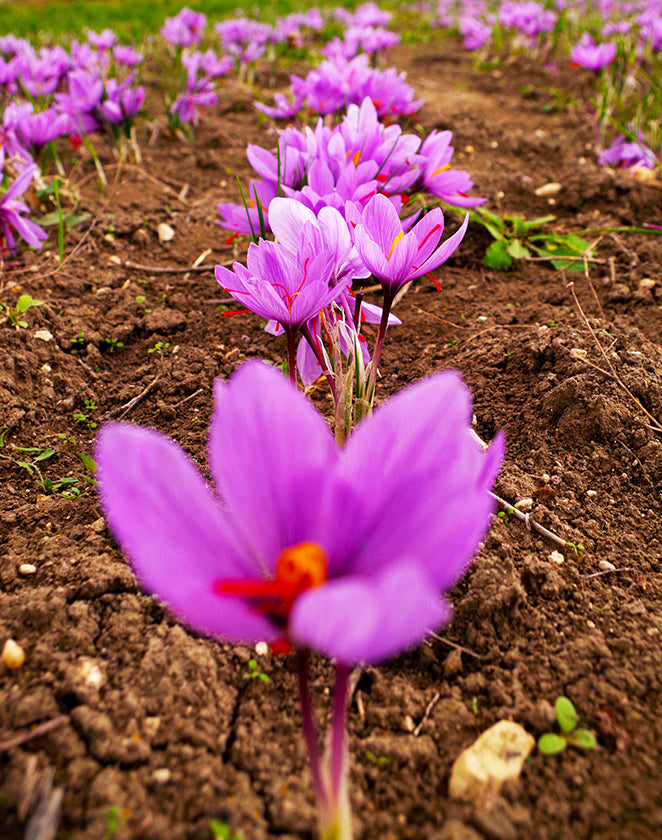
{"x": 345, "y": 551}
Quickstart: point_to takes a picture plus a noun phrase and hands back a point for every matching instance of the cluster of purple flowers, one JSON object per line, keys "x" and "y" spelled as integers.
{"x": 351, "y": 162}
{"x": 339, "y": 82}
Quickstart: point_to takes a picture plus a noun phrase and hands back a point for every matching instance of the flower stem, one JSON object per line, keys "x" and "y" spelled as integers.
{"x": 339, "y": 730}
{"x": 291, "y": 358}
{"x": 310, "y": 730}
{"x": 320, "y": 358}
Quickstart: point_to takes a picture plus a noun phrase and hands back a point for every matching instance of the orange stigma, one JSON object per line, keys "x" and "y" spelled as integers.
{"x": 298, "y": 568}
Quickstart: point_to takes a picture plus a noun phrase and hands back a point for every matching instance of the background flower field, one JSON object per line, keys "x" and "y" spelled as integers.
{"x": 156, "y": 732}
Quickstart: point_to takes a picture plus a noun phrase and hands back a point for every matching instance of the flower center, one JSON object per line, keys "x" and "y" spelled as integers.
{"x": 298, "y": 568}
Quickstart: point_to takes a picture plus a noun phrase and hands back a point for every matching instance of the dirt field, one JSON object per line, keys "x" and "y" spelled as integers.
{"x": 155, "y": 731}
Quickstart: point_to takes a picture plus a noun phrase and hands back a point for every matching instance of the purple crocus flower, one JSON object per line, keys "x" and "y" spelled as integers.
{"x": 281, "y": 286}
{"x": 396, "y": 257}
{"x": 344, "y": 551}
{"x": 630, "y": 154}
{"x": 126, "y": 55}
{"x": 103, "y": 40}
{"x": 185, "y": 29}
{"x": 11, "y": 209}
{"x": 586, "y": 53}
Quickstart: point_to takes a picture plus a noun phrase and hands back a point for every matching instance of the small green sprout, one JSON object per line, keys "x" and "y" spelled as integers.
{"x": 254, "y": 673}
{"x": 552, "y": 744}
{"x": 78, "y": 340}
{"x": 22, "y": 305}
{"x": 114, "y": 344}
{"x": 222, "y": 831}
{"x": 159, "y": 347}
{"x": 475, "y": 708}
{"x": 379, "y": 760}
{"x": 576, "y": 547}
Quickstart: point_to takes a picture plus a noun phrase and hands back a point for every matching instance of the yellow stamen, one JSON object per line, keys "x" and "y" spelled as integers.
{"x": 395, "y": 242}
{"x": 441, "y": 169}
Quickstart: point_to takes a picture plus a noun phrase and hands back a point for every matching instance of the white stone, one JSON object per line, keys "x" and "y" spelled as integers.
{"x": 551, "y": 188}
{"x": 44, "y": 335}
{"x": 525, "y": 505}
{"x": 27, "y": 569}
{"x": 261, "y": 649}
{"x": 557, "y": 557}
{"x": 91, "y": 673}
{"x": 165, "y": 232}
{"x": 591, "y": 492}
{"x": 497, "y": 755}
{"x": 161, "y": 775}
{"x": 13, "y": 655}
{"x": 606, "y": 566}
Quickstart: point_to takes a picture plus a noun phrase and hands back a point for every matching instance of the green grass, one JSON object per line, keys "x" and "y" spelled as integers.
{"x": 44, "y": 20}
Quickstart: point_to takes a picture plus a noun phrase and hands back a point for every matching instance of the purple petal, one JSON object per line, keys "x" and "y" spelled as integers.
{"x": 173, "y": 530}
{"x": 270, "y": 453}
{"x": 444, "y": 251}
{"x": 368, "y": 619}
{"x": 431, "y": 500}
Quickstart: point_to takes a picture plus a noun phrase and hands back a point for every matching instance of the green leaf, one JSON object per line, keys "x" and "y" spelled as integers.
{"x": 25, "y": 302}
{"x": 497, "y": 255}
{"x": 220, "y": 830}
{"x": 551, "y": 744}
{"x": 565, "y": 714}
{"x": 539, "y": 222}
{"x": 89, "y": 463}
{"x": 47, "y": 453}
{"x": 518, "y": 251}
{"x": 583, "y": 738}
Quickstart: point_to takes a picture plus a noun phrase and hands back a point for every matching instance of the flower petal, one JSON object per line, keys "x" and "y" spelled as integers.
{"x": 173, "y": 530}
{"x": 270, "y": 453}
{"x": 368, "y": 619}
{"x": 431, "y": 498}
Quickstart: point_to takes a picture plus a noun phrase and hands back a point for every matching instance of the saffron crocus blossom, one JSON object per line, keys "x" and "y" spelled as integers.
{"x": 630, "y": 154}
{"x": 586, "y": 53}
{"x": 396, "y": 257}
{"x": 345, "y": 551}
{"x": 11, "y": 210}
{"x": 284, "y": 287}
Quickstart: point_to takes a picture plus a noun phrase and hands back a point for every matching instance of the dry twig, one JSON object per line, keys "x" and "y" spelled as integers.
{"x": 37, "y": 732}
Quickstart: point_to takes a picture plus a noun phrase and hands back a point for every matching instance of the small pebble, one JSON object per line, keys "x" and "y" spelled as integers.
{"x": 44, "y": 335}
{"x": 162, "y": 775}
{"x": 468, "y": 149}
{"x": 494, "y": 145}
{"x": 13, "y": 655}
{"x": 591, "y": 492}
{"x": 647, "y": 283}
{"x": 27, "y": 569}
{"x": 409, "y": 724}
{"x": 261, "y": 648}
{"x": 590, "y": 624}
{"x": 557, "y": 557}
{"x": 165, "y": 232}
{"x": 606, "y": 566}
{"x": 551, "y": 188}
{"x": 525, "y": 505}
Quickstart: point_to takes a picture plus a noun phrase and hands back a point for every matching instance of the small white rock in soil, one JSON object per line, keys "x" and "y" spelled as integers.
{"x": 551, "y": 188}
{"x": 13, "y": 655}
{"x": 606, "y": 566}
{"x": 165, "y": 232}
{"x": 525, "y": 505}
{"x": 497, "y": 755}
{"x": 557, "y": 557}
{"x": 27, "y": 569}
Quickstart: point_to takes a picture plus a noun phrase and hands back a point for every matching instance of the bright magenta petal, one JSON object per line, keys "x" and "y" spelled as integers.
{"x": 429, "y": 481}
{"x": 174, "y": 532}
{"x": 368, "y": 619}
{"x": 270, "y": 453}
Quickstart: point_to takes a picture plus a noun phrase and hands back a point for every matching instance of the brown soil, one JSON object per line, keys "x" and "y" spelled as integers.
{"x": 163, "y": 728}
